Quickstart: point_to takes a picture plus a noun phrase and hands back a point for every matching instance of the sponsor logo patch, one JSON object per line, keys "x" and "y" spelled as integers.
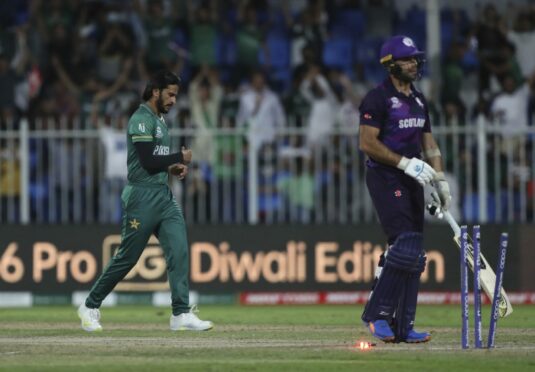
{"x": 395, "y": 102}
{"x": 160, "y": 150}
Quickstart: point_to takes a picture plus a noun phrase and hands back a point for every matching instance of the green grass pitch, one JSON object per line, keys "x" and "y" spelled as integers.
{"x": 253, "y": 338}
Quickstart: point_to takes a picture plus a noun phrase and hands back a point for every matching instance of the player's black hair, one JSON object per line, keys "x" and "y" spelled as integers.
{"x": 161, "y": 80}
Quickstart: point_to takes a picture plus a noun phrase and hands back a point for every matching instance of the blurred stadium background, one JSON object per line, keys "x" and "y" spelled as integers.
{"x": 275, "y": 202}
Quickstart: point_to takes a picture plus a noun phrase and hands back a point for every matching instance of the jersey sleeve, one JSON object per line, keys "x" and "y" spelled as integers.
{"x": 141, "y": 128}
{"x": 373, "y": 109}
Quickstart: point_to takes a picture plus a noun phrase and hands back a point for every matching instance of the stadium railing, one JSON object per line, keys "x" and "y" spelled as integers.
{"x": 53, "y": 171}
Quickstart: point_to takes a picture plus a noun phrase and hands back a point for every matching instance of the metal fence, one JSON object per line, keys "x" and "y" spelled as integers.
{"x": 58, "y": 171}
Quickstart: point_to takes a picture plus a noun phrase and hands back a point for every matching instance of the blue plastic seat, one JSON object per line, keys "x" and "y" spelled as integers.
{"x": 226, "y": 50}
{"x": 338, "y": 53}
{"x": 278, "y": 48}
{"x": 348, "y": 23}
{"x": 281, "y": 79}
{"x": 470, "y": 207}
{"x": 374, "y": 72}
{"x": 367, "y": 50}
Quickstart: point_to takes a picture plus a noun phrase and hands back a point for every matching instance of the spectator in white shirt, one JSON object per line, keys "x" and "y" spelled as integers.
{"x": 260, "y": 112}
{"x": 510, "y": 110}
{"x": 523, "y": 38}
{"x": 205, "y": 95}
{"x": 324, "y": 107}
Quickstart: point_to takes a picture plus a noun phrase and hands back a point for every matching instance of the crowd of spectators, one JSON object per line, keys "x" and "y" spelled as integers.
{"x": 64, "y": 57}
{"x": 256, "y": 64}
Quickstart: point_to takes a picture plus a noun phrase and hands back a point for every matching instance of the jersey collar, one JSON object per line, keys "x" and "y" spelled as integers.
{"x": 392, "y": 89}
{"x": 146, "y": 107}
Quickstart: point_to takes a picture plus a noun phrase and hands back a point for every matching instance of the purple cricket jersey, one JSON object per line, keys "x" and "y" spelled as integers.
{"x": 401, "y": 119}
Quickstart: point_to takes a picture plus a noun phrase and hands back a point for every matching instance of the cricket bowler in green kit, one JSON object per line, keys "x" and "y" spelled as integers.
{"x": 149, "y": 207}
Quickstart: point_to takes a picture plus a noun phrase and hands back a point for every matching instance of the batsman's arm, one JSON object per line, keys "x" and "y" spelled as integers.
{"x": 369, "y": 144}
{"x": 431, "y": 152}
{"x": 375, "y": 149}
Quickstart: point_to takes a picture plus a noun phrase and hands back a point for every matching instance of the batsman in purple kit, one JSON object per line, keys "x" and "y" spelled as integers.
{"x": 395, "y": 132}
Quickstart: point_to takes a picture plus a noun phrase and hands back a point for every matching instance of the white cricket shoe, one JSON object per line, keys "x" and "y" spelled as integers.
{"x": 90, "y": 318}
{"x": 189, "y": 322}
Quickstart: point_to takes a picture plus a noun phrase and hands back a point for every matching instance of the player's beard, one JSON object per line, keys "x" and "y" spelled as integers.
{"x": 160, "y": 106}
{"x": 407, "y": 77}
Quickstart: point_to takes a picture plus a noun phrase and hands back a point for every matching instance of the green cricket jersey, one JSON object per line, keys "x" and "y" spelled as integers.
{"x": 145, "y": 126}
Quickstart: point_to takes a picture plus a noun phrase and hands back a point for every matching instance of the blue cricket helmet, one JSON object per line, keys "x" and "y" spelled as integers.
{"x": 399, "y": 47}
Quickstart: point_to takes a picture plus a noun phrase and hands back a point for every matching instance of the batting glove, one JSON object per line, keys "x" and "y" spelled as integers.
{"x": 443, "y": 190}
{"x": 417, "y": 169}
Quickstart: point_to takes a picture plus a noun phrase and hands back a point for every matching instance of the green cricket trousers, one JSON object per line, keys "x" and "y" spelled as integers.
{"x": 149, "y": 209}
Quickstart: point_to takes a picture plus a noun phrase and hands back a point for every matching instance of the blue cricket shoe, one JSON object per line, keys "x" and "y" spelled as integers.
{"x": 414, "y": 337}
{"x": 381, "y": 330}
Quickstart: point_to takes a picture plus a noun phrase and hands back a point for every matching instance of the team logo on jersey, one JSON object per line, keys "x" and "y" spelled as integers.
{"x": 367, "y": 116}
{"x": 141, "y": 127}
{"x": 159, "y": 133}
{"x": 395, "y": 102}
{"x": 397, "y": 193}
{"x": 134, "y": 224}
{"x": 419, "y": 102}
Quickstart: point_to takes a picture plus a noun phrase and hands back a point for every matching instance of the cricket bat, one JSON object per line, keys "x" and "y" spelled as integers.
{"x": 487, "y": 275}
